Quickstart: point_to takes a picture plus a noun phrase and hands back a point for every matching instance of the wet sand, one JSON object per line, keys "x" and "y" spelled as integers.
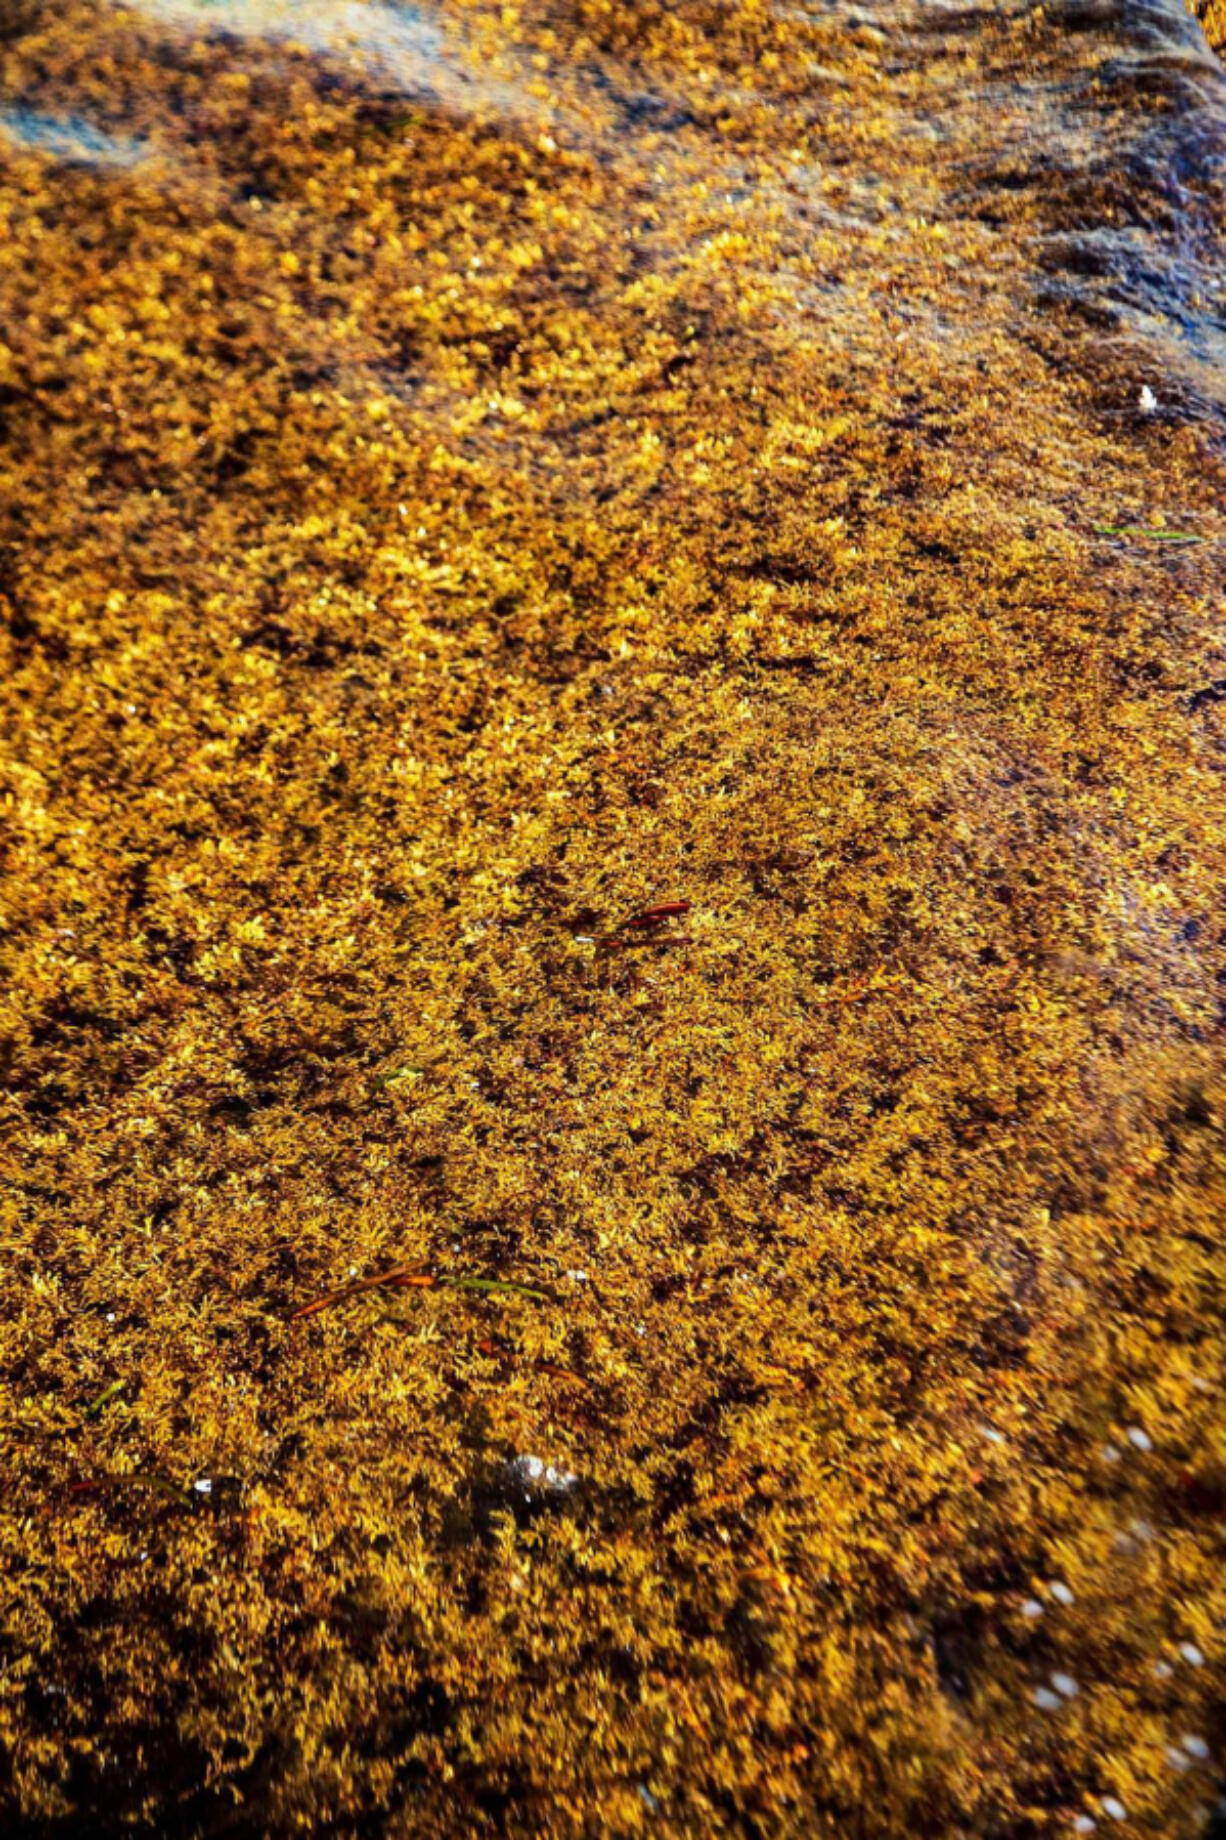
{"x": 613, "y": 714}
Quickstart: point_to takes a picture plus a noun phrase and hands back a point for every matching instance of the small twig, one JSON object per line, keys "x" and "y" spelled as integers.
{"x": 400, "y": 1277}
{"x": 645, "y": 923}
{"x": 495, "y": 1286}
{"x": 663, "y": 910}
{"x": 149, "y": 1479}
{"x": 1144, "y": 530}
{"x": 556, "y": 1372}
{"x": 404, "y": 1277}
{"x": 104, "y": 1398}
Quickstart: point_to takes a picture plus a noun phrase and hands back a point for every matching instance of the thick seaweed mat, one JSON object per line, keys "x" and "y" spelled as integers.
{"x": 610, "y": 774}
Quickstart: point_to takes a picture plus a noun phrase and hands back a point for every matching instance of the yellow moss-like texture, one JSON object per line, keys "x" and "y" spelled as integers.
{"x": 1212, "y": 15}
{"x": 435, "y": 529}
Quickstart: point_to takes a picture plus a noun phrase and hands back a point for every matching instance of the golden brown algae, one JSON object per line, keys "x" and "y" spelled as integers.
{"x": 613, "y": 740}
{"x": 1212, "y": 15}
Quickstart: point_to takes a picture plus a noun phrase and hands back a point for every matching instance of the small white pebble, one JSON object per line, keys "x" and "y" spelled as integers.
{"x": 992, "y": 1434}
{"x": 577, "y": 1277}
{"x": 1196, "y": 1747}
{"x": 1191, "y": 1654}
{"x": 110, "y": 1316}
{"x": 1032, "y": 1608}
{"x": 1115, "y": 1809}
{"x": 1176, "y": 1758}
{"x": 1163, "y": 1670}
{"x": 1084, "y": 1824}
{"x": 1111, "y": 1453}
{"x": 1148, "y": 401}
{"x": 1046, "y": 1700}
{"x": 1061, "y": 1593}
{"x": 204, "y": 1486}
{"x": 1140, "y": 1440}
{"x": 1065, "y": 1685}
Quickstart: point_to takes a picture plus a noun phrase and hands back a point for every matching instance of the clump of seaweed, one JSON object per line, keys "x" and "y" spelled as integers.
{"x": 611, "y": 947}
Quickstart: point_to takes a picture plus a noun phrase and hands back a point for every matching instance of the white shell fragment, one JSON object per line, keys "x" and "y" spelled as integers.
{"x": 1061, "y": 1593}
{"x": 1114, "y": 1808}
{"x": 1140, "y": 1440}
{"x": 535, "y": 1476}
{"x": 1065, "y": 1685}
